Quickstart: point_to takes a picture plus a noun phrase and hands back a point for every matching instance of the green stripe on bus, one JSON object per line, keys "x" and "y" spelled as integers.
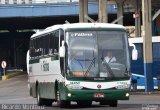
{"x": 118, "y": 94}
{"x": 89, "y": 94}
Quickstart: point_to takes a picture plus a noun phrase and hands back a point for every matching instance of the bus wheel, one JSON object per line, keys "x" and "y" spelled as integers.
{"x": 84, "y": 103}
{"x": 40, "y": 101}
{"x": 62, "y": 103}
{"x": 113, "y": 103}
{"x": 48, "y": 102}
{"x": 30, "y": 91}
{"x": 104, "y": 103}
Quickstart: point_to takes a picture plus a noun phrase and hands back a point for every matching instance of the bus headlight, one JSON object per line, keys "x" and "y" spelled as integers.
{"x": 70, "y": 86}
{"x": 127, "y": 94}
{"x": 69, "y": 94}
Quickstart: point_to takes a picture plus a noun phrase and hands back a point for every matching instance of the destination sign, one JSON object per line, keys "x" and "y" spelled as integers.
{"x": 81, "y": 34}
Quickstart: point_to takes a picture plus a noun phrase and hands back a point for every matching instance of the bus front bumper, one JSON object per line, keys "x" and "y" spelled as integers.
{"x": 96, "y": 95}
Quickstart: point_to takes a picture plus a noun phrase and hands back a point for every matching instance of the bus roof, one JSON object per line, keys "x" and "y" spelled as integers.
{"x": 78, "y": 26}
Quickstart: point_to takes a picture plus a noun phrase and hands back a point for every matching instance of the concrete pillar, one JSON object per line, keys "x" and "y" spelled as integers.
{"x": 102, "y": 11}
{"x": 120, "y": 10}
{"x": 83, "y": 10}
{"x": 137, "y": 19}
{"x": 147, "y": 44}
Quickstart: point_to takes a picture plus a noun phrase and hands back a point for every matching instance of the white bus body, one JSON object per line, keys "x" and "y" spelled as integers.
{"x": 52, "y": 78}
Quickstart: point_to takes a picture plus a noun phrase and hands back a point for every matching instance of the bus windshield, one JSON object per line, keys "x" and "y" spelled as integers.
{"x": 97, "y": 54}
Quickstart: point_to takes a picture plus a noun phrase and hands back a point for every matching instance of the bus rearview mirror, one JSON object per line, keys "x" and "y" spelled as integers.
{"x": 134, "y": 52}
{"x": 27, "y": 60}
{"x": 62, "y": 50}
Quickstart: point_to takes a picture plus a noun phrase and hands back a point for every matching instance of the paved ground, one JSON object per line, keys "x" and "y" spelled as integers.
{"x": 15, "y": 91}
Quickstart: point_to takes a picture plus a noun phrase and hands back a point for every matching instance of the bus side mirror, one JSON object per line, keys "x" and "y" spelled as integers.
{"x": 134, "y": 52}
{"x": 62, "y": 50}
{"x": 27, "y": 60}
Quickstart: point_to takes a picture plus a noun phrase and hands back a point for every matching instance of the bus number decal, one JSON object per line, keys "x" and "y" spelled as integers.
{"x": 121, "y": 82}
{"x": 45, "y": 66}
{"x": 76, "y": 83}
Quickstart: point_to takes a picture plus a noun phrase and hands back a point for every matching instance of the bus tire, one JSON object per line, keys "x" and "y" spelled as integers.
{"x": 48, "y": 102}
{"x": 62, "y": 103}
{"x": 84, "y": 103}
{"x": 30, "y": 91}
{"x": 104, "y": 103}
{"x": 113, "y": 103}
{"x": 40, "y": 101}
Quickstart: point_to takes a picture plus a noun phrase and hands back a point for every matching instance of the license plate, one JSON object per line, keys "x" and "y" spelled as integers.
{"x": 99, "y": 95}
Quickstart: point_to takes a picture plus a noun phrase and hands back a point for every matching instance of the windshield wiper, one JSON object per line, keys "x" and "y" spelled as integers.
{"x": 90, "y": 66}
{"x": 79, "y": 64}
{"x": 126, "y": 73}
{"x": 108, "y": 68}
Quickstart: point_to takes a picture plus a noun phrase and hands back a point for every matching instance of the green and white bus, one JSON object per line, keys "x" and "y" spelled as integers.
{"x": 66, "y": 63}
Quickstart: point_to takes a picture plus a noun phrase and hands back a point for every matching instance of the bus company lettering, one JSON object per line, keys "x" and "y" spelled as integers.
{"x": 76, "y": 83}
{"x": 45, "y": 66}
{"x": 82, "y": 34}
{"x": 121, "y": 82}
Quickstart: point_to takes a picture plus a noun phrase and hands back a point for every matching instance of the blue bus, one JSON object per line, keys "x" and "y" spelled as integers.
{"x": 137, "y": 67}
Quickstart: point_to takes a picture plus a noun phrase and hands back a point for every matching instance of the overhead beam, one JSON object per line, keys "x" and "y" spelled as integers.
{"x": 156, "y": 15}
{"x": 116, "y": 20}
{"x": 89, "y": 18}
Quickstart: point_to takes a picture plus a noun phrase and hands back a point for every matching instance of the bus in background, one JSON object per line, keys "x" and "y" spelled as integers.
{"x": 66, "y": 63}
{"x": 137, "y": 67}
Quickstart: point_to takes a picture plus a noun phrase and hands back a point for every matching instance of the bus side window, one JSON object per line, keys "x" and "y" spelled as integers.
{"x": 61, "y": 37}
{"x": 46, "y": 44}
{"x": 39, "y": 46}
{"x": 56, "y": 41}
{"x": 32, "y": 49}
{"x": 53, "y": 43}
